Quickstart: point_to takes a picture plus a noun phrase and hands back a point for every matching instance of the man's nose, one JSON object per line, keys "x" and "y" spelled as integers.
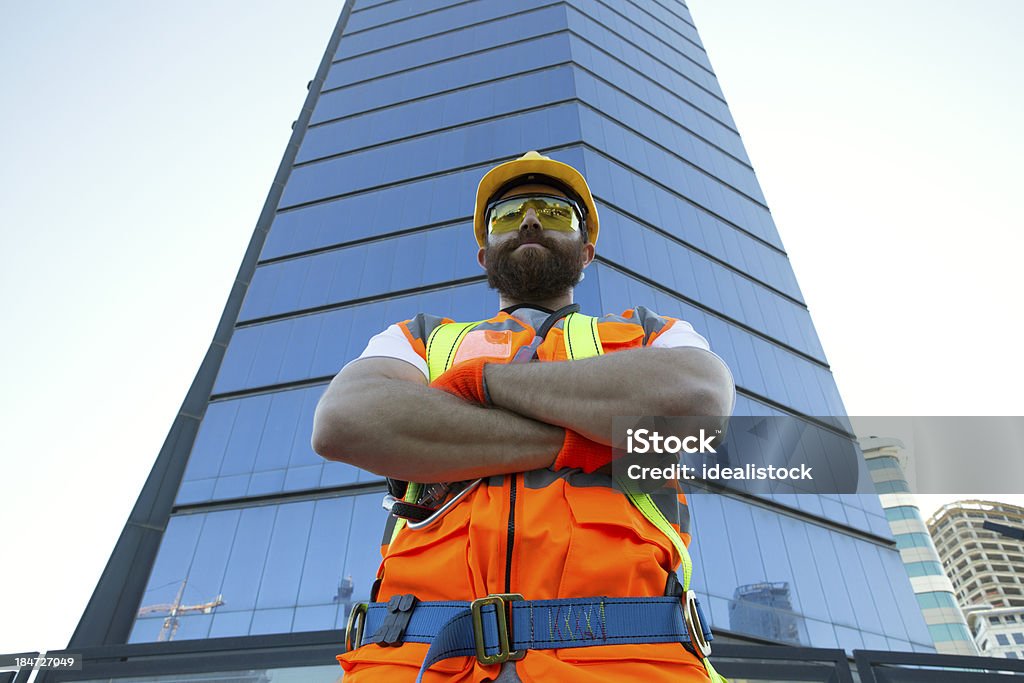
{"x": 530, "y": 221}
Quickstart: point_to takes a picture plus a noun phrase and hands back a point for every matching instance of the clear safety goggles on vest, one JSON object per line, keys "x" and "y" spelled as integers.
{"x": 554, "y": 212}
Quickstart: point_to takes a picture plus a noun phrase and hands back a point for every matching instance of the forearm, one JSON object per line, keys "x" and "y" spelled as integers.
{"x": 584, "y": 395}
{"x": 413, "y": 432}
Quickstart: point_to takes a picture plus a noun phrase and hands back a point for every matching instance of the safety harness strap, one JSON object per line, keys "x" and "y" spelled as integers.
{"x": 649, "y": 509}
{"x": 499, "y": 630}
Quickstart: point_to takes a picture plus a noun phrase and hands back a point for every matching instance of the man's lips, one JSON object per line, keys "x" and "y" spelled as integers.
{"x": 531, "y": 239}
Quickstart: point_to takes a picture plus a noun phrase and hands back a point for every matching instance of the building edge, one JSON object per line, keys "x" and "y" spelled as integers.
{"x": 110, "y": 612}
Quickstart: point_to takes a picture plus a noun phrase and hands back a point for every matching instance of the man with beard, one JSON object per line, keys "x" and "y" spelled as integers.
{"x": 512, "y": 415}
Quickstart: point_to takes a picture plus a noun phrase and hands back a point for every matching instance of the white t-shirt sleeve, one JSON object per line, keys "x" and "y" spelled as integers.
{"x": 391, "y": 343}
{"x": 680, "y": 333}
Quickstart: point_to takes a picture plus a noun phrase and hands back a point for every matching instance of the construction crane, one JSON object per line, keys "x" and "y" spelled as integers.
{"x": 175, "y": 608}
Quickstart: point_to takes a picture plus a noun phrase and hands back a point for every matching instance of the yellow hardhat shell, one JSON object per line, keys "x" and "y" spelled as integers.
{"x": 529, "y": 164}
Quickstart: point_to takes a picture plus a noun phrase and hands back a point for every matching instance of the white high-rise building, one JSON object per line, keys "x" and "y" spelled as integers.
{"x": 887, "y": 462}
{"x": 986, "y": 567}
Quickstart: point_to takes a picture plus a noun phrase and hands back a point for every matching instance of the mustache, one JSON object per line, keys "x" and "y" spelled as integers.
{"x": 529, "y": 238}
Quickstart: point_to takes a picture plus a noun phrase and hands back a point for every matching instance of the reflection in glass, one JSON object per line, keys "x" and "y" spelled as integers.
{"x": 764, "y": 610}
{"x": 268, "y": 569}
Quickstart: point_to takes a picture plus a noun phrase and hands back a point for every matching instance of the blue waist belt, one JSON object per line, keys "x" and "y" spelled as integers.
{"x": 502, "y": 627}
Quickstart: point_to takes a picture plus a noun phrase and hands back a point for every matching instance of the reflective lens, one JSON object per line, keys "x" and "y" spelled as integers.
{"x": 554, "y": 213}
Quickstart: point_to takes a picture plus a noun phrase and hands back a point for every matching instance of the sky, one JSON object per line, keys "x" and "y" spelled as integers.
{"x": 140, "y": 141}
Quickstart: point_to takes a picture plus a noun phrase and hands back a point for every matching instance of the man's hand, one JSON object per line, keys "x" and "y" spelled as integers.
{"x": 578, "y": 451}
{"x": 466, "y": 381}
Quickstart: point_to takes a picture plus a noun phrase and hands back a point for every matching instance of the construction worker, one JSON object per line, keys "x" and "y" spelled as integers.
{"x": 578, "y": 572}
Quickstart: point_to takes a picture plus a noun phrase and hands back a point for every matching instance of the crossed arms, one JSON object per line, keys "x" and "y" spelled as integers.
{"x": 379, "y": 414}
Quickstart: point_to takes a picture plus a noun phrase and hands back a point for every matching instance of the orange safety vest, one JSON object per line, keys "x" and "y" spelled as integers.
{"x": 541, "y": 533}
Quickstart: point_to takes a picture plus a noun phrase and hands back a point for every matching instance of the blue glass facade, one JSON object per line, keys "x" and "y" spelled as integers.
{"x": 373, "y": 225}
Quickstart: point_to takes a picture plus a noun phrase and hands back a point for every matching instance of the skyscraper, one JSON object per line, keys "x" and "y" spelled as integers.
{"x": 981, "y": 544}
{"x": 368, "y": 222}
{"x": 888, "y": 463}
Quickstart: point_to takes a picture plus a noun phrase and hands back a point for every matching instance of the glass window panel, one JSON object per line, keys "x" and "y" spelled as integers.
{"x": 339, "y": 473}
{"x": 248, "y": 557}
{"x": 830, "y": 573}
{"x": 260, "y": 292}
{"x": 438, "y": 264}
{"x": 210, "y": 561}
{"x": 380, "y": 258}
{"x": 322, "y": 572}
{"x": 806, "y": 582}
{"x": 849, "y": 639}
{"x": 279, "y": 430}
{"x": 271, "y": 621}
{"x": 191, "y": 626}
{"x": 857, "y": 518}
{"x": 319, "y": 618}
{"x": 746, "y": 552}
{"x": 363, "y": 547}
{"x": 271, "y": 350}
{"x": 233, "y": 486}
{"x": 773, "y": 552}
{"x": 322, "y": 271}
{"x": 407, "y": 272}
{"x": 279, "y": 585}
{"x": 262, "y": 483}
{"x": 849, "y": 551}
{"x": 211, "y": 441}
{"x": 146, "y": 630}
{"x": 170, "y": 568}
{"x": 240, "y": 453}
{"x": 195, "y": 491}
{"x": 301, "y": 345}
{"x": 234, "y": 369}
{"x": 343, "y": 337}
{"x": 711, "y": 533}
{"x": 301, "y": 478}
{"x": 821, "y": 634}
{"x": 230, "y": 624}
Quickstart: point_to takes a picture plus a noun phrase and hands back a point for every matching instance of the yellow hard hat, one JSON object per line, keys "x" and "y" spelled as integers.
{"x": 545, "y": 168}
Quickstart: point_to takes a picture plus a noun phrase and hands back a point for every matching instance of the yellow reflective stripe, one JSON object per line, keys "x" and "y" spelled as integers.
{"x": 442, "y": 344}
{"x": 581, "y": 337}
{"x": 649, "y": 509}
{"x": 582, "y": 340}
{"x": 714, "y": 675}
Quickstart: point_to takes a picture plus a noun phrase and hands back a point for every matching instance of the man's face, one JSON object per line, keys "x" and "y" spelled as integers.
{"x": 534, "y": 264}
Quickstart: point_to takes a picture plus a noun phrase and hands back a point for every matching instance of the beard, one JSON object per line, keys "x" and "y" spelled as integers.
{"x": 534, "y": 275}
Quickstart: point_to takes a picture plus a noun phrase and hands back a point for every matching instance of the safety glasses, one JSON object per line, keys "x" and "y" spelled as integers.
{"x": 553, "y": 212}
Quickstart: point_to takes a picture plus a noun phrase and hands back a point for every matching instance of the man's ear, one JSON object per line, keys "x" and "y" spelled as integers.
{"x": 588, "y": 254}
{"x": 481, "y": 257}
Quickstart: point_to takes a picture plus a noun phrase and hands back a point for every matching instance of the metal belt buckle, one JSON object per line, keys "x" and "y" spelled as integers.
{"x": 356, "y": 622}
{"x": 691, "y": 615}
{"x": 502, "y": 614}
